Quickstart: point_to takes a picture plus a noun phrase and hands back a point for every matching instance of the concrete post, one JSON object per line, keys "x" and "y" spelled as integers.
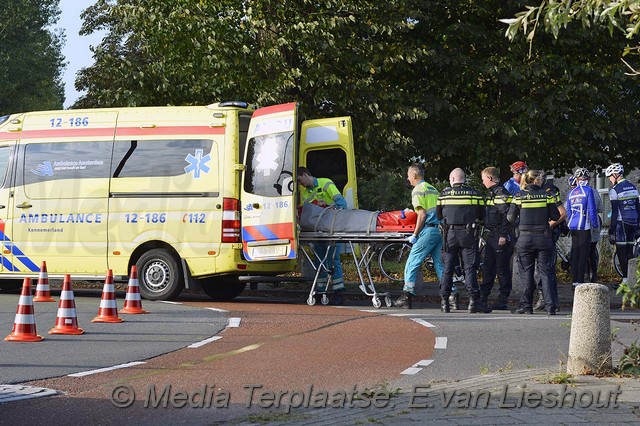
{"x": 590, "y": 340}
{"x": 632, "y": 276}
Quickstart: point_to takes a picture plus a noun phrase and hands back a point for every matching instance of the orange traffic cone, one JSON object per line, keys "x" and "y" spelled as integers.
{"x": 43, "y": 293}
{"x": 66, "y": 320}
{"x": 108, "y": 310}
{"x": 24, "y": 327}
{"x": 133, "y": 302}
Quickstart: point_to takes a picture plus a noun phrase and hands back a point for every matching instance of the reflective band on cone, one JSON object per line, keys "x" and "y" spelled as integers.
{"x": 108, "y": 310}
{"x": 24, "y": 326}
{"x": 66, "y": 320}
{"x": 43, "y": 292}
{"x": 133, "y": 302}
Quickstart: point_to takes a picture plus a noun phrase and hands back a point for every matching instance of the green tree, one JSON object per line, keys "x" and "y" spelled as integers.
{"x": 434, "y": 78}
{"x": 31, "y": 61}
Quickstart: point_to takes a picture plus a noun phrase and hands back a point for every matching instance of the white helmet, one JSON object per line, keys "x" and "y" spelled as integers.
{"x": 572, "y": 180}
{"x": 581, "y": 173}
{"x": 614, "y": 169}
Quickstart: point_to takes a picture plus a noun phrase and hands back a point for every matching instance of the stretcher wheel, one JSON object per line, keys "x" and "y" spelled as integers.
{"x": 388, "y": 301}
{"x": 376, "y": 302}
{"x": 325, "y": 299}
{"x": 311, "y": 300}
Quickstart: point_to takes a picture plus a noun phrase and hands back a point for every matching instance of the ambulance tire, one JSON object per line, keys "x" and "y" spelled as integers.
{"x": 222, "y": 290}
{"x": 159, "y": 275}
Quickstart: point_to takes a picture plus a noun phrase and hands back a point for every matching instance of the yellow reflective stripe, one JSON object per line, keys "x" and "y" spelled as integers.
{"x": 534, "y": 204}
{"x": 460, "y": 202}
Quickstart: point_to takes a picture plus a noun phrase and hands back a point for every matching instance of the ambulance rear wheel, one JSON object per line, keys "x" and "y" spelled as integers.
{"x": 159, "y": 275}
{"x": 220, "y": 289}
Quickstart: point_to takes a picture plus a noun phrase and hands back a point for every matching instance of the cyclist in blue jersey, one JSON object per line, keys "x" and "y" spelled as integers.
{"x": 582, "y": 218}
{"x": 625, "y": 210}
{"x": 518, "y": 169}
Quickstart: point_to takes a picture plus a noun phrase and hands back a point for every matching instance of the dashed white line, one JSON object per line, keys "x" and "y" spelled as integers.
{"x": 423, "y": 322}
{"x": 411, "y": 371}
{"x": 441, "y": 343}
{"x": 168, "y": 302}
{"x": 102, "y": 370}
{"x": 217, "y": 310}
{"x": 204, "y": 342}
{"x": 423, "y": 363}
{"x": 234, "y": 322}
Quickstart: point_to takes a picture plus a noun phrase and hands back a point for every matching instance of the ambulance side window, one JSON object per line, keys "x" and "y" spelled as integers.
{"x": 329, "y": 163}
{"x": 5, "y": 156}
{"x": 269, "y": 168}
{"x": 162, "y": 158}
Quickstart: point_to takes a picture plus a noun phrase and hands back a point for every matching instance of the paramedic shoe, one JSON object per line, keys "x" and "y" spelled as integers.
{"x": 540, "y": 304}
{"x": 502, "y": 304}
{"x": 477, "y": 306}
{"x": 522, "y": 310}
{"x": 404, "y": 301}
{"x": 337, "y": 299}
{"x": 454, "y": 301}
{"x": 444, "y": 304}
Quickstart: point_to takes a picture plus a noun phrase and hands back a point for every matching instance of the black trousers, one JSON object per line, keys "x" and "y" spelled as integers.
{"x": 460, "y": 243}
{"x": 497, "y": 262}
{"x": 580, "y": 248}
{"x": 532, "y": 248}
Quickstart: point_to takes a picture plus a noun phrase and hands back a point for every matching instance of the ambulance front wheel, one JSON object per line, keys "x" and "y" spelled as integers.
{"x": 159, "y": 275}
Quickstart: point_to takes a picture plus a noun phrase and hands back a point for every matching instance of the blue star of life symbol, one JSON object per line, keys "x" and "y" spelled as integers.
{"x": 198, "y": 163}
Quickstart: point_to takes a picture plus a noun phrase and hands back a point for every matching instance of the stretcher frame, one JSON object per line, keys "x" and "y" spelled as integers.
{"x": 362, "y": 256}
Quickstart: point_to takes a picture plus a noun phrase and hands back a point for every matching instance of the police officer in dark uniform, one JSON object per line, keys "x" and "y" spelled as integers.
{"x": 460, "y": 208}
{"x": 498, "y": 236}
{"x": 535, "y": 207}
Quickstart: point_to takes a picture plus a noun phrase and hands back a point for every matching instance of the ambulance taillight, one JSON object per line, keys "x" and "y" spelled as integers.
{"x": 230, "y": 220}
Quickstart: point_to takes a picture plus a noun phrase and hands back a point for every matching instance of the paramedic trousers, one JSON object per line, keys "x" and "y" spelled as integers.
{"x": 460, "y": 242}
{"x": 537, "y": 248}
{"x": 332, "y": 263}
{"x": 497, "y": 261}
{"x": 429, "y": 243}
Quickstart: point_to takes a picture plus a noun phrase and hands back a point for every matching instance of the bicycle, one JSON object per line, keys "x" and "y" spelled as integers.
{"x": 393, "y": 257}
{"x": 616, "y": 261}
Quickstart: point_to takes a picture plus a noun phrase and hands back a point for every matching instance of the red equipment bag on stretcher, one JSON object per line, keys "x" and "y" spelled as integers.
{"x": 396, "y": 221}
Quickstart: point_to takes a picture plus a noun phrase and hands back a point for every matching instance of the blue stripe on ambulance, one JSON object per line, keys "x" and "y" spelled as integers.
{"x": 19, "y": 255}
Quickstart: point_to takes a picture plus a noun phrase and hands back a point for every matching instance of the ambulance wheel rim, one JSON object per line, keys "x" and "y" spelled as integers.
{"x": 157, "y": 276}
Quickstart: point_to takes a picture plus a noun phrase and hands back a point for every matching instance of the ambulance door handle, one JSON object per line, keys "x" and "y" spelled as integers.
{"x": 256, "y": 205}
{"x": 24, "y": 205}
{"x": 2, "y": 206}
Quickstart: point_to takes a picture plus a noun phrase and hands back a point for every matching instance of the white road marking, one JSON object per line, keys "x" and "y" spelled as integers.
{"x": 441, "y": 343}
{"x": 411, "y": 371}
{"x": 423, "y": 363}
{"x": 234, "y": 322}
{"x": 217, "y": 310}
{"x": 170, "y": 302}
{"x": 102, "y": 370}
{"x": 204, "y": 342}
{"x": 423, "y": 322}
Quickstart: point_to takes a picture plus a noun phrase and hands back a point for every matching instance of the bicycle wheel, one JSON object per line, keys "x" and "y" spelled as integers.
{"x": 616, "y": 263}
{"x": 392, "y": 259}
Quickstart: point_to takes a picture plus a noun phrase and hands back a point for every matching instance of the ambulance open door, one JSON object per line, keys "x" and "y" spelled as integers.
{"x": 326, "y": 149}
{"x": 268, "y": 204}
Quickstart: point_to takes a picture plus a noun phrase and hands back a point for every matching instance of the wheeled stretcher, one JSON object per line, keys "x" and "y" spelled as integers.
{"x": 369, "y": 243}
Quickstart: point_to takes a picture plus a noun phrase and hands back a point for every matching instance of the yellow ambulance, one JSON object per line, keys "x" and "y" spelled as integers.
{"x": 195, "y": 197}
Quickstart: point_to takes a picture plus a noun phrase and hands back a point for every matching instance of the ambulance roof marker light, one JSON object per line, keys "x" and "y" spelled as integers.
{"x": 237, "y": 104}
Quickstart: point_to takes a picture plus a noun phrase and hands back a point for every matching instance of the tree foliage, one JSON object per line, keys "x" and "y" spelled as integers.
{"x": 31, "y": 61}
{"x": 432, "y": 78}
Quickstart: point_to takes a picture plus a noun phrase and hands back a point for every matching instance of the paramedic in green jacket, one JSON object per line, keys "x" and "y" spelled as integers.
{"x": 426, "y": 238}
{"x": 323, "y": 192}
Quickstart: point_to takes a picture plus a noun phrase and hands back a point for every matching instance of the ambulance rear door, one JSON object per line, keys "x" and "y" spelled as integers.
{"x": 268, "y": 187}
{"x": 7, "y": 152}
{"x": 326, "y": 149}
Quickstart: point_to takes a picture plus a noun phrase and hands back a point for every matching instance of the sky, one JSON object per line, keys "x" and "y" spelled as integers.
{"x": 76, "y": 49}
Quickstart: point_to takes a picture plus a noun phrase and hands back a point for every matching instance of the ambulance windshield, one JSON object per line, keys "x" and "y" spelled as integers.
{"x": 269, "y": 170}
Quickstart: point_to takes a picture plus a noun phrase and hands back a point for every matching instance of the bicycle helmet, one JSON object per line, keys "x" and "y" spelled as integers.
{"x": 519, "y": 167}
{"x": 614, "y": 169}
{"x": 581, "y": 173}
{"x": 572, "y": 181}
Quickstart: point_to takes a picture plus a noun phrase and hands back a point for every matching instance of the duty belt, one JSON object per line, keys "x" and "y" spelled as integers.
{"x": 458, "y": 226}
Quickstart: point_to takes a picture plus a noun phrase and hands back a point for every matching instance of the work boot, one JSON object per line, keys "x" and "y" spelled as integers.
{"x": 522, "y": 310}
{"x": 477, "y": 306}
{"x": 444, "y": 304}
{"x": 454, "y": 301}
{"x": 404, "y": 301}
{"x": 502, "y": 304}
{"x": 337, "y": 299}
{"x": 540, "y": 304}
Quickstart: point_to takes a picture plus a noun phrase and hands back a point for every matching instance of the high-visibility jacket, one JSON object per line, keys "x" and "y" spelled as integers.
{"x": 425, "y": 196}
{"x": 326, "y": 191}
{"x": 460, "y": 205}
{"x": 534, "y": 206}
